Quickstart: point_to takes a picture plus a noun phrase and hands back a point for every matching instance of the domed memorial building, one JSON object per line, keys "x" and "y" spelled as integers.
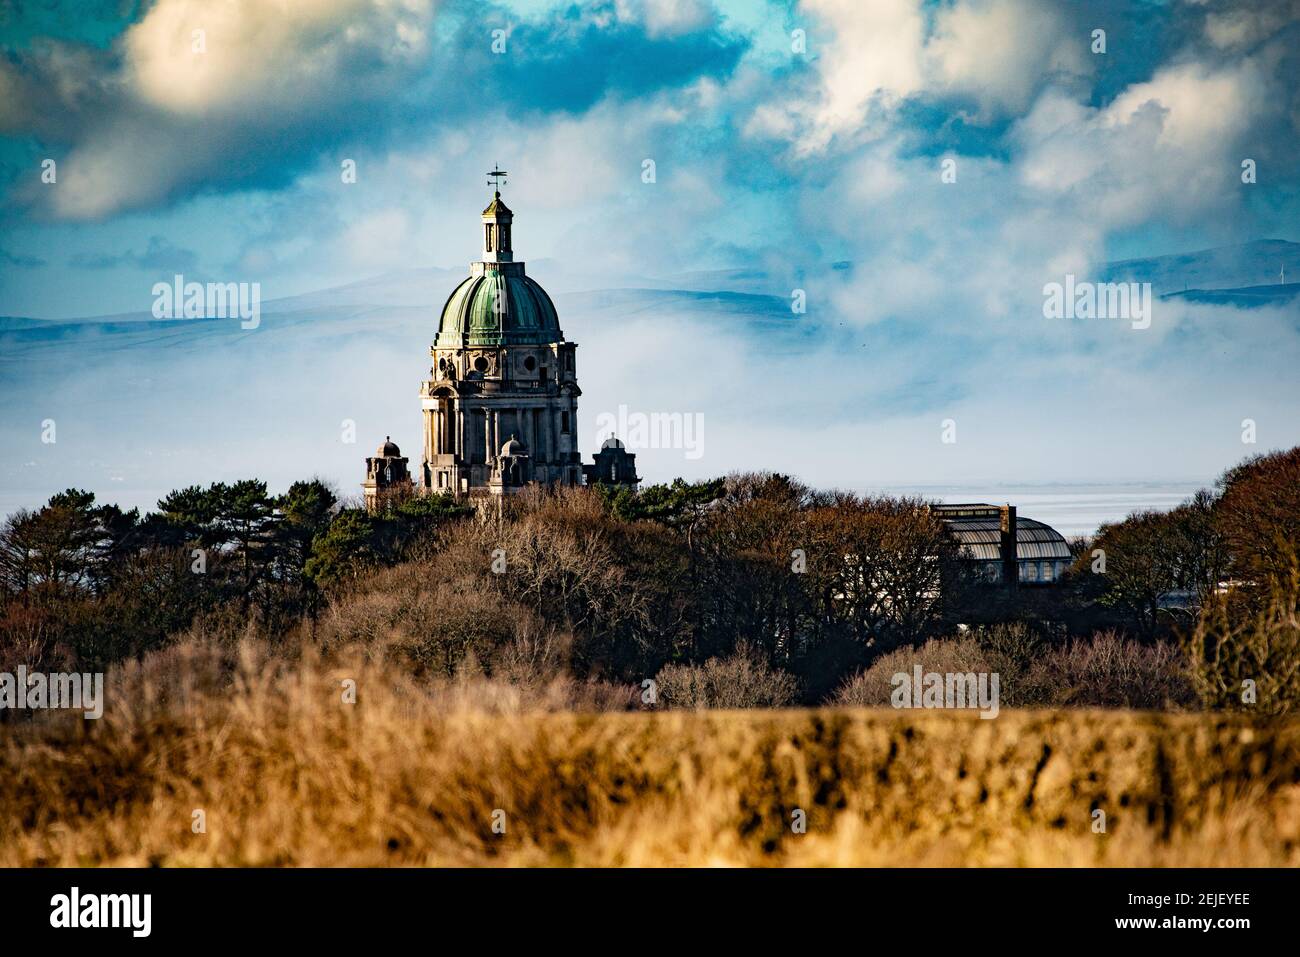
{"x": 500, "y": 406}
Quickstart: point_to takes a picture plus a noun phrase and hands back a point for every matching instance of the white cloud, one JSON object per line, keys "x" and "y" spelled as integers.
{"x": 867, "y": 54}
{"x": 870, "y": 57}
{"x": 1169, "y": 146}
{"x": 1238, "y": 27}
{"x": 168, "y": 111}
{"x": 668, "y": 17}
{"x": 1000, "y": 51}
{"x": 875, "y": 50}
{"x": 130, "y": 162}
{"x": 1205, "y": 105}
{"x": 265, "y": 54}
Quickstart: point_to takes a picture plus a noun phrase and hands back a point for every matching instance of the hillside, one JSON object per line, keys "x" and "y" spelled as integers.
{"x": 1257, "y": 263}
{"x": 1248, "y": 297}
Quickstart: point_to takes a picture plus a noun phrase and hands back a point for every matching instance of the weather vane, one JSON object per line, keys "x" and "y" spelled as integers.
{"x": 497, "y": 176}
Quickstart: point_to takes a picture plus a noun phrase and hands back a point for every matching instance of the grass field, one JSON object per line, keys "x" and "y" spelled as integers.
{"x": 285, "y": 772}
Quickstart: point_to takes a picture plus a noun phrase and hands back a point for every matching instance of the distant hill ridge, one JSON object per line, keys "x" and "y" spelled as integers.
{"x": 1244, "y": 274}
{"x": 1243, "y": 266}
{"x": 1247, "y": 296}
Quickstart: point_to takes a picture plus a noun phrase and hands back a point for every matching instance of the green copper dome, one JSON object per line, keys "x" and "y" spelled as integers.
{"x": 498, "y": 305}
{"x": 494, "y": 307}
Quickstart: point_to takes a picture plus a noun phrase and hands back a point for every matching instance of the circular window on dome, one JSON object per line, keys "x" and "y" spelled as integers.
{"x": 481, "y": 364}
{"x": 530, "y": 363}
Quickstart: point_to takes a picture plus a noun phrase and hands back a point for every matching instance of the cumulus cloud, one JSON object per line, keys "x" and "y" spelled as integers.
{"x": 1000, "y": 52}
{"x": 199, "y": 96}
{"x": 869, "y": 58}
{"x": 130, "y": 163}
{"x": 196, "y": 58}
{"x": 47, "y": 91}
{"x": 668, "y": 17}
{"x": 1171, "y": 145}
{"x": 1231, "y": 26}
{"x": 186, "y": 95}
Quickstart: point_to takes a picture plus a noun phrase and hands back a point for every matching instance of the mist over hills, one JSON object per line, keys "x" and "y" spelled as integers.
{"x": 1245, "y": 265}
{"x": 142, "y": 405}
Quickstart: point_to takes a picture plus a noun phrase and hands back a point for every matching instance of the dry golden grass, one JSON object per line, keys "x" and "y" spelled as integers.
{"x": 287, "y": 774}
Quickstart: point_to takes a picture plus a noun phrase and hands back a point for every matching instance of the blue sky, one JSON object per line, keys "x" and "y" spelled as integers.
{"x": 785, "y": 136}
{"x": 225, "y": 161}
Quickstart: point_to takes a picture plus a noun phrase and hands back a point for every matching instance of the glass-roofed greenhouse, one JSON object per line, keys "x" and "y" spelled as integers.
{"x": 986, "y": 532}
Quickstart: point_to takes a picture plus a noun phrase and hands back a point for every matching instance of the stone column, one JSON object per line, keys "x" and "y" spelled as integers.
{"x": 573, "y": 424}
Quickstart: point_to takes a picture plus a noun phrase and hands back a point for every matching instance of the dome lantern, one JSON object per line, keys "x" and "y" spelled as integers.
{"x": 496, "y": 224}
{"x": 498, "y": 304}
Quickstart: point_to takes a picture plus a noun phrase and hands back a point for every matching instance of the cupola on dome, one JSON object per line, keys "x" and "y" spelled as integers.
{"x": 498, "y": 304}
